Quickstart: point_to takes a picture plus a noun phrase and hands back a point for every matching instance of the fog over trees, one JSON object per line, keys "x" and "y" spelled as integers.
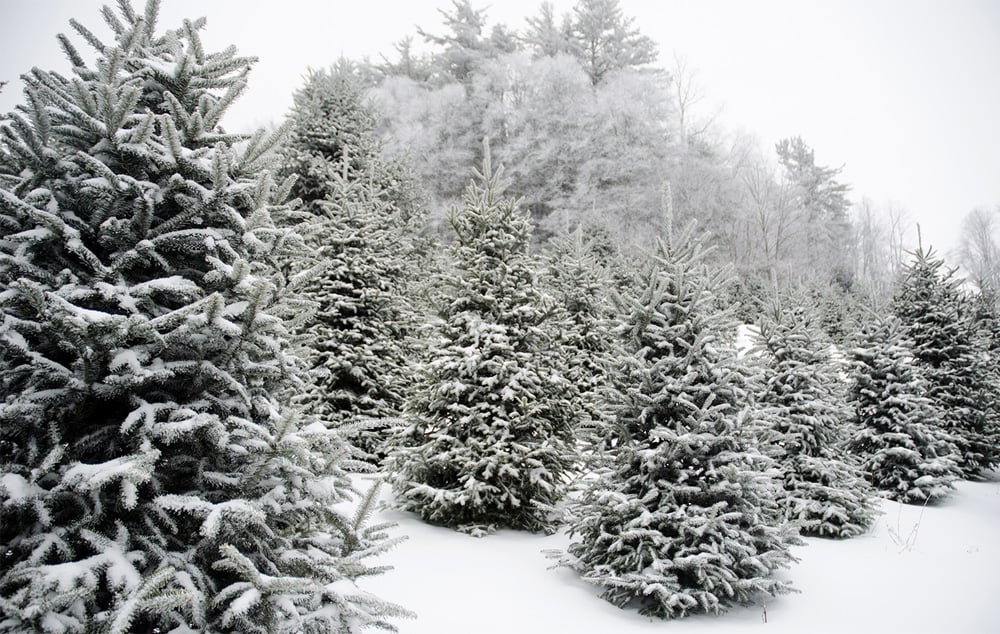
{"x": 523, "y": 277}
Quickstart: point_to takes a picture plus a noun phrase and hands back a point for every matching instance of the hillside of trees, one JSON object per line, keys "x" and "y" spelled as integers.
{"x": 506, "y": 275}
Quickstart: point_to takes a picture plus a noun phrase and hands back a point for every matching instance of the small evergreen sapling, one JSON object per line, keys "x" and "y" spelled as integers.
{"x": 803, "y": 414}
{"x": 488, "y": 440}
{"x": 900, "y": 449}
{"x": 684, "y": 517}
{"x": 151, "y": 478}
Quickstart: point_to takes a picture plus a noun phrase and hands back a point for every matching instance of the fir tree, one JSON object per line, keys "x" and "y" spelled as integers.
{"x": 150, "y": 477}
{"x": 489, "y": 434}
{"x": 684, "y": 518}
{"x": 901, "y": 450}
{"x": 803, "y": 413}
{"x": 579, "y": 285}
{"x": 359, "y": 214}
{"x": 986, "y": 339}
{"x": 932, "y": 309}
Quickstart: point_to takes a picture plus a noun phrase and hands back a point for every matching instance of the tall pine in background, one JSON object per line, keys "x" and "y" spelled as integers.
{"x": 901, "y": 449}
{"x": 359, "y": 213}
{"x": 151, "y": 478}
{"x": 684, "y": 517}
{"x": 933, "y": 312}
{"x": 488, "y": 440}
{"x": 803, "y": 415}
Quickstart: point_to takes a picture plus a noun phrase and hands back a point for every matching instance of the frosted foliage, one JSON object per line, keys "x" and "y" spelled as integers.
{"x": 357, "y": 212}
{"x": 901, "y": 450}
{"x": 150, "y": 476}
{"x": 684, "y": 517}
{"x": 580, "y": 286}
{"x": 490, "y": 426}
{"x": 933, "y": 312}
{"x": 803, "y": 417}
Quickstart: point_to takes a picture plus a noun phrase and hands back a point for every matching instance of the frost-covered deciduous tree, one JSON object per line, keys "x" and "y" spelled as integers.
{"x": 934, "y": 316}
{"x": 434, "y": 127}
{"x": 151, "y": 478}
{"x": 488, "y": 439}
{"x": 803, "y": 414}
{"x": 978, "y": 251}
{"x": 540, "y": 109}
{"x": 900, "y": 448}
{"x": 359, "y": 214}
{"x": 684, "y": 518}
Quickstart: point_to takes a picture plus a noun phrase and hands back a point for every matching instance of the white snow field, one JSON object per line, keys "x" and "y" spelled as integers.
{"x": 933, "y": 569}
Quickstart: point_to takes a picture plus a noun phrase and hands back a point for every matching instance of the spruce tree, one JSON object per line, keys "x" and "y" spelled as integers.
{"x": 901, "y": 450}
{"x": 151, "y": 478}
{"x": 934, "y": 316}
{"x": 580, "y": 286}
{"x": 359, "y": 212}
{"x": 488, "y": 439}
{"x": 986, "y": 331}
{"x": 684, "y": 517}
{"x": 803, "y": 414}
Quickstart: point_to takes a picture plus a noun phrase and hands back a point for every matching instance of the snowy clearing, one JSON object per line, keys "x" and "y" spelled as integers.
{"x": 934, "y": 569}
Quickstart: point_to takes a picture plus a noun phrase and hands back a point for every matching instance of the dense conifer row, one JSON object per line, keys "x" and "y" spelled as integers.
{"x": 202, "y": 334}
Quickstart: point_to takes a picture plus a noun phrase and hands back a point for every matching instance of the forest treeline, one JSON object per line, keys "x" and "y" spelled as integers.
{"x": 595, "y": 130}
{"x": 517, "y": 278}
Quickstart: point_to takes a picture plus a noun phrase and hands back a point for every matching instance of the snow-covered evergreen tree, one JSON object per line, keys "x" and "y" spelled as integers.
{"x": 900, "y": 449}
{"x": 803, "y": 414}
{"x": 582, "y": 328}
{"x": 684, "y": 518}
{"x": 359, "y": 213}
{"x": 985, "y": 314}
{"x": 488, "y": 439}
{"x": 151, "y": 478}
{"x": 933, "y": 312}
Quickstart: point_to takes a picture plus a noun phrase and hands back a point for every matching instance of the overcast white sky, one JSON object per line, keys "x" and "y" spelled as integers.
{"x": 904, "y": 93}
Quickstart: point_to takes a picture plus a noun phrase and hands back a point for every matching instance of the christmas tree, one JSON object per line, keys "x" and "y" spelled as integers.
{"x": 489, "y": 434}
{"x": 359, "y": 213}
{"x": 932, "y": 309}
{"x": 151, "y": 478}
{"x": 986, "y": 336}
{"x": 802, "y": 410}
{"x": 901, "y": 450}
{"x": 683, "y": 518}
{"x": 580, "y": 286}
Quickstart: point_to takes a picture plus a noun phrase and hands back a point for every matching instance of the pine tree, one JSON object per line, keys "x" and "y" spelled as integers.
{"x": 822, "y": 202}
{"x": 489, "y": 433}
{"x": 803, "y": 411}
{"x": 684, "y": 518}
{"x": 604, "y": 40}
{"x": 901, "y": 450}
{"x": 360, "y": 212}
{"x": 151, "y": 478}
{"x": 933, "y": 312}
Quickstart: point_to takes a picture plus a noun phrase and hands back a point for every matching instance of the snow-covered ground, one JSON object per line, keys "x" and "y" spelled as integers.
{"x": 934, "y": 569}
